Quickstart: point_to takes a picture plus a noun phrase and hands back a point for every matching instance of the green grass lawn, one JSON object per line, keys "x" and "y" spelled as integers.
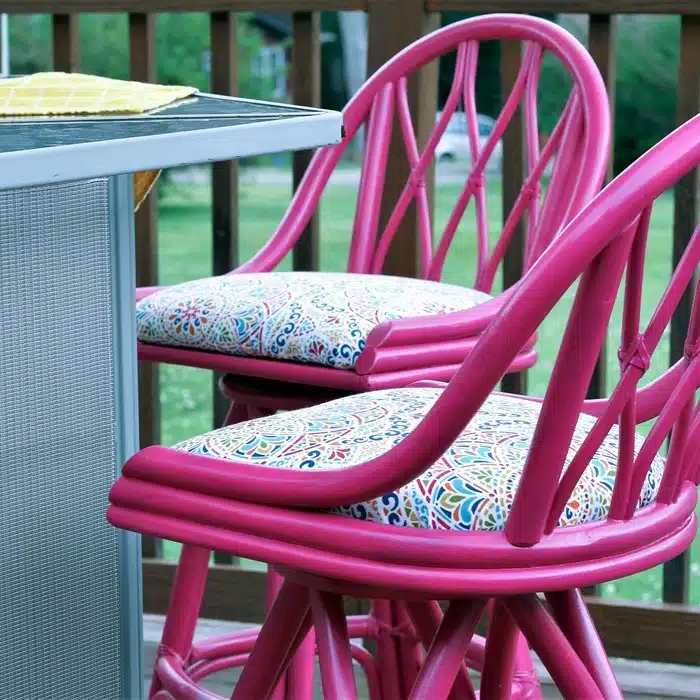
{"x": 185, "y": 253}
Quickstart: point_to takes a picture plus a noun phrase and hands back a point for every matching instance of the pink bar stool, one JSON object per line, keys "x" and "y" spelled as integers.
{"x": 280, "y": 333}
{"x": 460, "y": 494}
{"x": 290, "y": 340}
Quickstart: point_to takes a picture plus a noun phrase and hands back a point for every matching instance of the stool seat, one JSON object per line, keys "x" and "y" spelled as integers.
{"x": 471, "y": 487}
{"x": 311, "y": 317}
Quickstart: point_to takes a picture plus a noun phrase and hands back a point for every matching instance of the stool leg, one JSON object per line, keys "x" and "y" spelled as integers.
{"x": 568, "y": 672}
{"x": 330, "y": 624}
{"x": 508, "y": 670}
{"x": 300, "y": 676}
{"x": 387, "y": 652}
{"x": 183, "y": 608}
{"x": 274, "y": 583}
{"x": 298, "y": 682}
{"x": 369, "y": 665}
{"x": 571, "y": 613}
{"x": 501, "y": 651}
{"x": 409, "y": 648}
{"x": 285, "y": 628}
{"x": 525, "y": 679}
{"x": 426, "y": 617}
{"x": 237, "y": 413}
{"x": 258, "y": 412}
{"x": 445, "y": 657}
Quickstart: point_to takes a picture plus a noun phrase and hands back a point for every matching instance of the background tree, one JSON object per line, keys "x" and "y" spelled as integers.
{"x": 183, "y": 41}
{"x": 646, "y": 83}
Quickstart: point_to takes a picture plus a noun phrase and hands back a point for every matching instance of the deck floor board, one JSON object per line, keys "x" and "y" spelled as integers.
{"x": 639, "y": 680}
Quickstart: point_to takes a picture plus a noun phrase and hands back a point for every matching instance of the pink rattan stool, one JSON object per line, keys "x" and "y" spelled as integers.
{"x": 356, "y": 331}
{"x": 460, "y": 494}
{"x": 370, "y": 332}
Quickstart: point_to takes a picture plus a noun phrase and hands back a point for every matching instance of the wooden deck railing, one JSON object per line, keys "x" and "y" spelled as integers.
{"x": 664, "y": 632}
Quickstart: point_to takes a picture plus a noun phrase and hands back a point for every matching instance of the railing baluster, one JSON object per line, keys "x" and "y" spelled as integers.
{"x": 676, "y": 572}
{"x": 386, "y": 37}
{"x": 142, "y": 67}
{"x": 306, "y": 90}
{"x": 66, "y": 43}
{"x": 224, "y": 81}
{"x": 513, "y": 178}
{"x": 601, "y": 45}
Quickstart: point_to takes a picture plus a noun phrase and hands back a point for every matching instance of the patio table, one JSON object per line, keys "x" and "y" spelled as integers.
{"x": 70, "y": 590}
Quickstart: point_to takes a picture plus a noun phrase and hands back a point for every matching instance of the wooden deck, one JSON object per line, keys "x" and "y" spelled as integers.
{"x": 640, "y": 680}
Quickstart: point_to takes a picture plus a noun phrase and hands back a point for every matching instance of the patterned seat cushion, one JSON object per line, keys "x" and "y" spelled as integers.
{"x": 311, "y": 317}
{"x": 471, "y": 487}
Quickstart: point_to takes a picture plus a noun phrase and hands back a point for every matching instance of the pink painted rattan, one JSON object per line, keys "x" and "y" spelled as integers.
{"x": 272, "y": 515}
{"x": 397, "y": 352}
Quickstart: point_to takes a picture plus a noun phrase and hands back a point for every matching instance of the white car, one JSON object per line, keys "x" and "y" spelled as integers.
{"x": 453, "y": 147}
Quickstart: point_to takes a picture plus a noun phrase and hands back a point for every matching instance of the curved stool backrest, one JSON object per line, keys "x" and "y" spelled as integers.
{"x": 612, "y": 232}
{"x": 578, "y": 147}
{"x": 669, "y": 401}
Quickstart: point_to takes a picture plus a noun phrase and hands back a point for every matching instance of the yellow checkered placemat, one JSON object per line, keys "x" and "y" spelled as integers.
{"x": 54, "y": 94}
{"x": 64, "y": 94}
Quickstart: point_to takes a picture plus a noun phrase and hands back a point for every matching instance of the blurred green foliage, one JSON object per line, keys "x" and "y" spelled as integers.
{"x": 647, "y": 61}
{"x": 647, "y": 84}
{"x": 182, "y": 48}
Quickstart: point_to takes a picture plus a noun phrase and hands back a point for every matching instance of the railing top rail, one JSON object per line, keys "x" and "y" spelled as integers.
{"x": 146, "y": 6}
{"x": 592, "y": 7}
{"x": 668, "y": 7}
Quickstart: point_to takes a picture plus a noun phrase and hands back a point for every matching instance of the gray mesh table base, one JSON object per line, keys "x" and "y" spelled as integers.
{"x": 69, "y": 583}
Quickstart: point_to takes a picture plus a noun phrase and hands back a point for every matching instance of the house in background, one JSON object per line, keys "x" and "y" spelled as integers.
{"x": 273, "y": 62}
{"x": 273, "y": 59}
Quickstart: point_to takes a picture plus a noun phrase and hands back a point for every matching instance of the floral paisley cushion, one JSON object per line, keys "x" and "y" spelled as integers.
{"x": 312, "y": 317}
{"x": 471, "y": 487}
